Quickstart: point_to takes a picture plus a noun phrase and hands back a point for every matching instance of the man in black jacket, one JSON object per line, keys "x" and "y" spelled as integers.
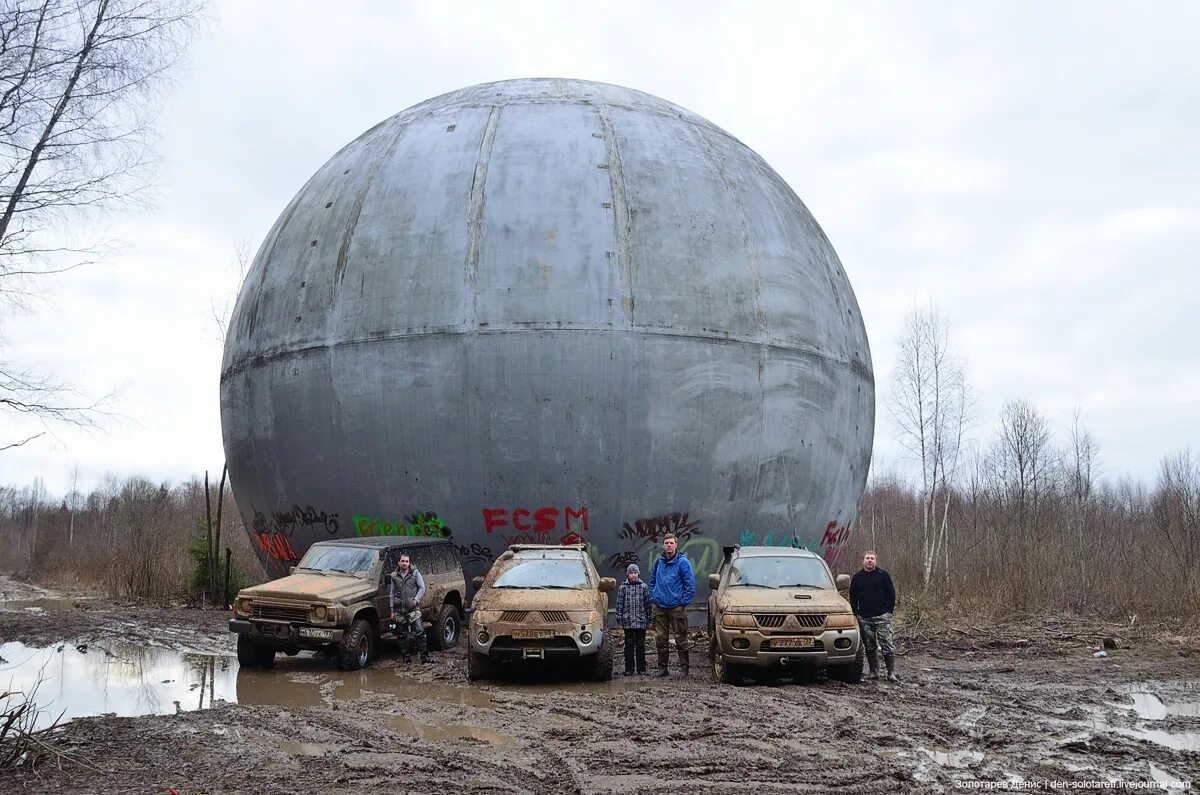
{"x": 873, "y": 598}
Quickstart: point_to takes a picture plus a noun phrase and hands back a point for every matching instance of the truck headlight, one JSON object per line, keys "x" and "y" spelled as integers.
{"x": 244, "y": 606}
{"x": 738, "y": 620}
{"x": 841, "y": 621}
{"x": 319, "y": 613}
{"x": 485, "y": 617}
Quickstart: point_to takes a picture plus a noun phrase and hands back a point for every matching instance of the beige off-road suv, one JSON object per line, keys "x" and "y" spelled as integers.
{"x": 777, "y": 606}
{"x": 336, "y": 599}
{"x": 540, "y": 602}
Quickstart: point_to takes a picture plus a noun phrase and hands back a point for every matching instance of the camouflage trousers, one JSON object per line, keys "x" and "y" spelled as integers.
{"x": 877, "y": 633}
{"x": 671, "y": 620}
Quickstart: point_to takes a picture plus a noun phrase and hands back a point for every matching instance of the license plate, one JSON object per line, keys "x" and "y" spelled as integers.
{"x": 533, "y": 634}
{"x": 319, "y": 634}
{"x": 791, "y": 643}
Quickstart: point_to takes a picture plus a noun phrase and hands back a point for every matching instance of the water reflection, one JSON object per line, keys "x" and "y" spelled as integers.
{"x": 115, "y": 677}
{"x": 129, "y": 679}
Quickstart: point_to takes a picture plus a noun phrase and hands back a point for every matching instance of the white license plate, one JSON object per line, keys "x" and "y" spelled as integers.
{"x": 533, "y": 634}
{"x": 791, "y": 643}
{"x": 318, "y": 634}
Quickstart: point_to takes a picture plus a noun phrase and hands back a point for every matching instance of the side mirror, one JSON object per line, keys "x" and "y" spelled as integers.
{"x": 291, "y": 569}
{"x": 608, "y": 584}
{"x": 477, "y": 583}
{"x": 714, "y": 582}
{"x": 843, "y": 582}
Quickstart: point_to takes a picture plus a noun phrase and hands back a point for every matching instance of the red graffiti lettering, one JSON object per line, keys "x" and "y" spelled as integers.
{"x": 493, "y": 518}
{"x": 581, "y": 514}
{"x": 275, "y": 545}
{"x": 516, "y": 519}
{"x": 546, "y": 518}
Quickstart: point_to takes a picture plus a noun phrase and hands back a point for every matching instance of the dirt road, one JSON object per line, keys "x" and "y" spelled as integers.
{"x": 974, "y": 705}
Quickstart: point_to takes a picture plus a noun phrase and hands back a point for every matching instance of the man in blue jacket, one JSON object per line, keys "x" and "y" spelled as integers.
{"x": 672, "y": 586}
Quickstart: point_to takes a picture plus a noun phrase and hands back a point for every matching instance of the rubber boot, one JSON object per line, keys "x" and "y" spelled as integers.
{"x": 409, "y": 643}
{"x": 890, "y": 661}
{"x": 873, "y": 661}
{"x": 423, "y": 646}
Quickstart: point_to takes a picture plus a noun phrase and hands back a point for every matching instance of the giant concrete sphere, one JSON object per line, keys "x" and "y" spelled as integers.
{"x": 542, "y": 310}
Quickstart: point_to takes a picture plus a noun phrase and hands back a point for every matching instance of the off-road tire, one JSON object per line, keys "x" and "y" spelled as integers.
{"x": 602, "y": 661}
{"x": 850, "y": 673}
{"x": 723, "y": 673}
{"x": 479, "y": 666}
{"x": 357, "y": 647}
{"x": 447, "y": 626}
{"x": 254, "y": 655}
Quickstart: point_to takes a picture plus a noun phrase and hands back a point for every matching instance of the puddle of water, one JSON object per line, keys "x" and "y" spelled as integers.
{"x": 1149, "y": 705}
{"x": 1167, "y": 777}
{"x": 451, "y": 731}
{"x": 531, "y": 686}
{"x": 309, "y": 682}
{"x": 1179, "y": 741}
{"x": 121, "y": 678}
{"x": 953, "y": 758}
{"x": 304, "y": 749}
{"x": 44, "y": 604}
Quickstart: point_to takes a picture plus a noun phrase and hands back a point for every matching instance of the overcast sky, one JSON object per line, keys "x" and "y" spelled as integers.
{"x": 1034, "y": 168}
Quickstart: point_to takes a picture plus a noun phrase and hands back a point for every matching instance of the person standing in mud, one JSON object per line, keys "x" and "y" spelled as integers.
{"x": 873, "y": 598}
{"x": 672, "y": 586}
{"x": 633, "y": 616}
{"x": 406, "y": 589}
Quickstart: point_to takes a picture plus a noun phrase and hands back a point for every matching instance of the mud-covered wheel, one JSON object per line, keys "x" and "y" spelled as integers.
{"x": 852, "y": 672}
{"x": 723, "y": 673}
{"x": 444, "y": 634}
{"x": 254, "y": 655}
{"x": 479, "y": 666}
{"x": 602, "y": 662}
{"x": 357, "y": 646}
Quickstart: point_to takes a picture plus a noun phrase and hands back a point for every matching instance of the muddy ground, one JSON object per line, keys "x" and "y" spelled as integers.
{"x": 1012, "y": 703}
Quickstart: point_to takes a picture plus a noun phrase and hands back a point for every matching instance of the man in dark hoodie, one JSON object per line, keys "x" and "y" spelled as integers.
{"x": 873, "y": 598}
{"x": 672, "y": 586}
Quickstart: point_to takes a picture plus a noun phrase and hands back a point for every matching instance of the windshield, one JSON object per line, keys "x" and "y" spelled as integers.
{"x": 779, "y": 572}
{"x": 543, "y": 573}
{"x": 351, "y": 560}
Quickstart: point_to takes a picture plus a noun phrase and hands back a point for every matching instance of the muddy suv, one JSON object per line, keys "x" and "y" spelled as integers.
{"x": 336, "y": 599}
{"x": 773, "y": 606}
{"x": 540, "y": 602}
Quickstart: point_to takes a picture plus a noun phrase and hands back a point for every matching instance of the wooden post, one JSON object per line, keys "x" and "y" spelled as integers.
{"x": 209, "y": 552}
{"x": 217, "y": 534}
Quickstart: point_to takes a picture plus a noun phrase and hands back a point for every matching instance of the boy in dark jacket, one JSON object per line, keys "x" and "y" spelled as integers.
{"x": 633, "y": 616}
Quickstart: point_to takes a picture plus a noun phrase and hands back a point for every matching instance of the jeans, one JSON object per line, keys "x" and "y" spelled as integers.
{"x": 635, "y": 650}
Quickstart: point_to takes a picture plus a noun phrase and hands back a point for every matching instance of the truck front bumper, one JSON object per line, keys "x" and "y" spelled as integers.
{"x": 285, "y": 636}
{"x": 563, "y": 645}
{"x": 752, "y": 647}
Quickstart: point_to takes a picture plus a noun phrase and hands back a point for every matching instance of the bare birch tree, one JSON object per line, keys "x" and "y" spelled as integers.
{"x": 1084, "y": 455}
{"x": 1176, "y": 512}
{"x": 930, "y": 403}
{"x": 78, "y": 84}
